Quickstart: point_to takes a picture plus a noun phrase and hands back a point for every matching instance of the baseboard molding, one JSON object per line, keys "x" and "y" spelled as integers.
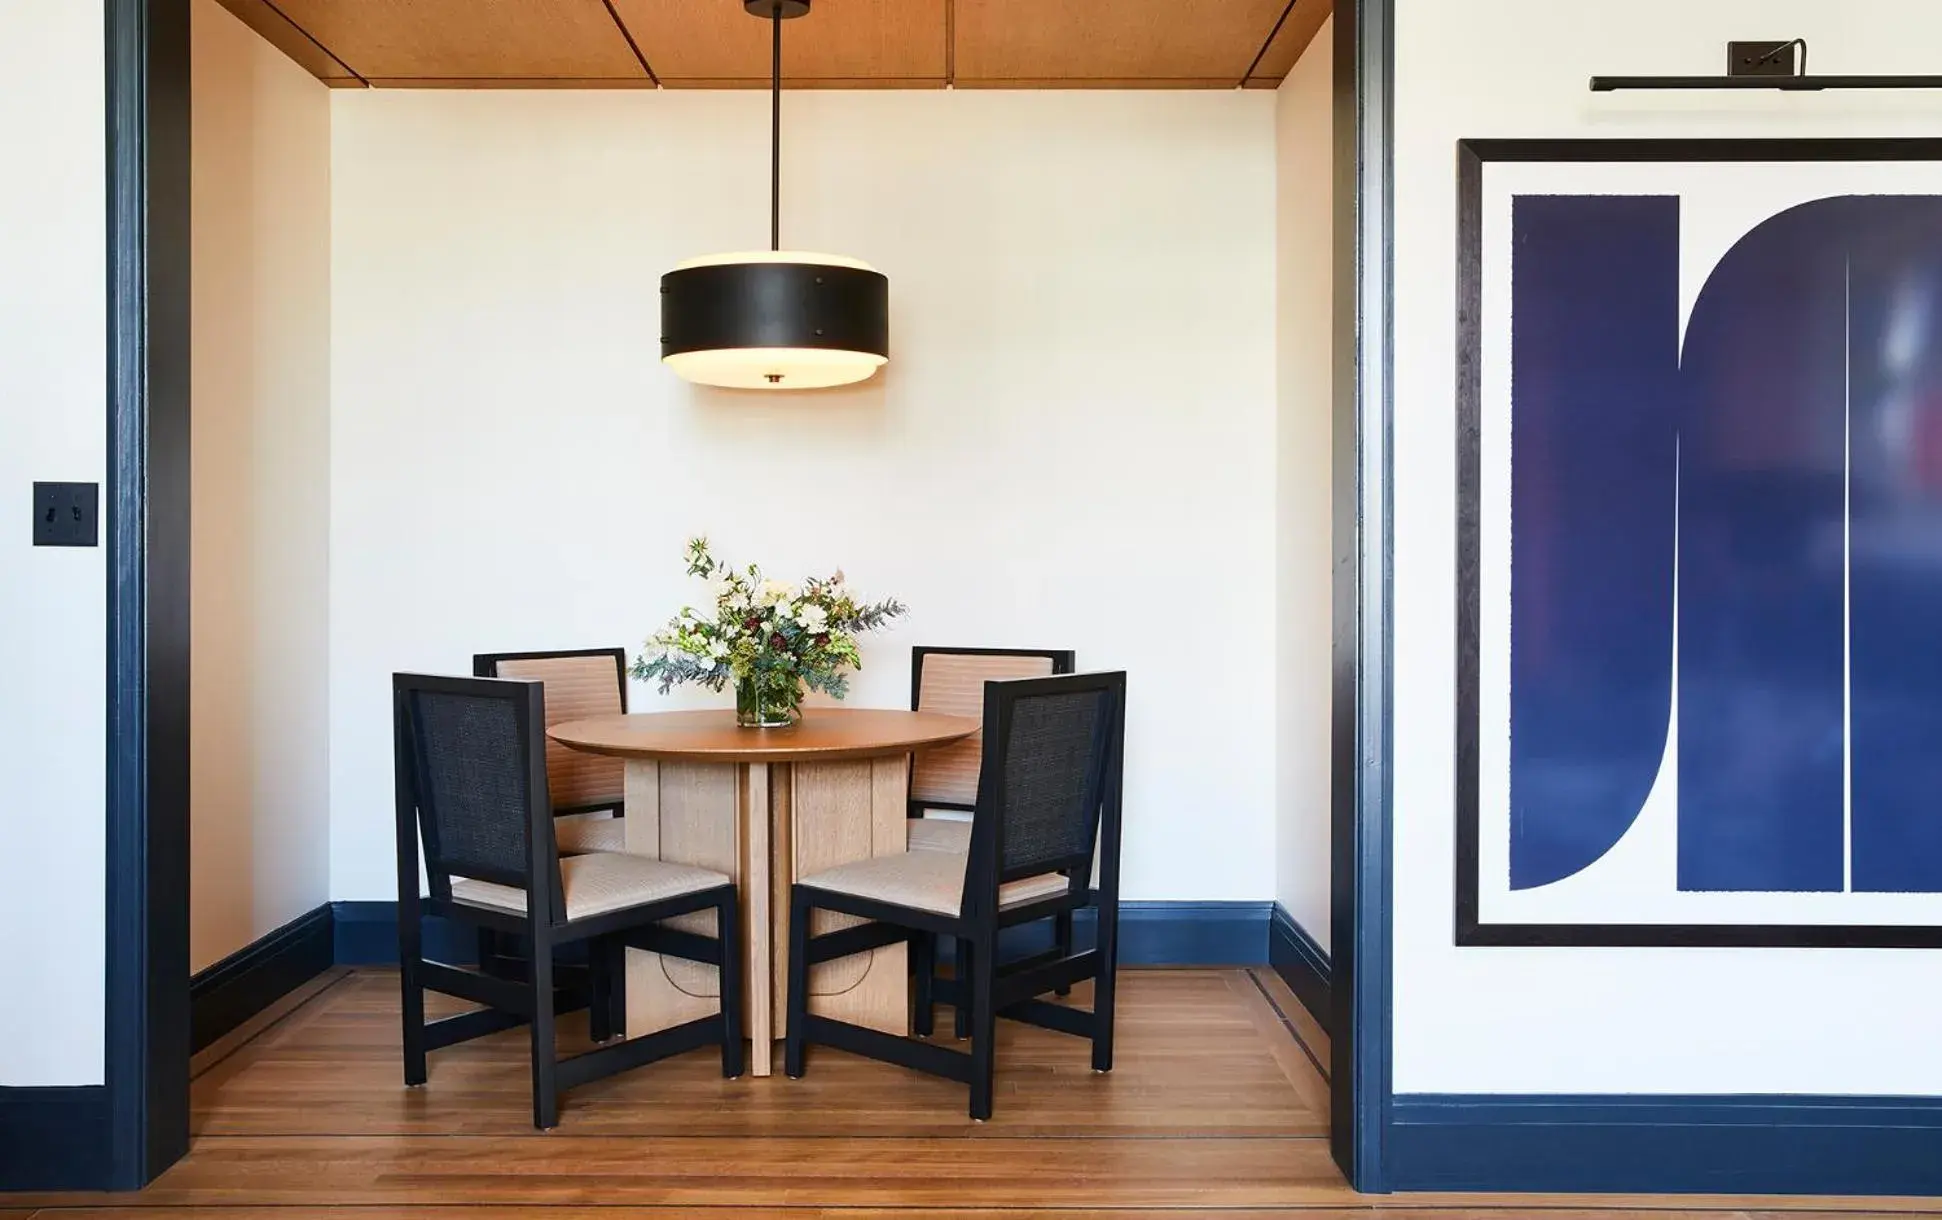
{"x": 255, "y": 1026}
{"x": 1150, "y": 933}
{"x": 1666, "y": 1144}
{"x": 54, "y": 1138}
{"x": 366, "y": 934}
{"x": 258, "y": 975}
{"x": 1300, "y": 962}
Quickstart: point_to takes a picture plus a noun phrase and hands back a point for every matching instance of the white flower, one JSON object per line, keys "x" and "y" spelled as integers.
{"x": 774, "y": 591}
{"x": 720, "y": 586}
{"x": 784, "y": 611}
{"x": 813, "y": 618}
{"x": 718, "y": 650}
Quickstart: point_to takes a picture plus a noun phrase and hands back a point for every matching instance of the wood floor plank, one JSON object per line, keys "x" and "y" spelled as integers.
{"x": 1192, "y": 1060}
{"x": 1213, "y": 1109}
{"x": 208, "y": 1058}
{"x": 1303, "y": 1073}
{"x": 1364, "y": 1209}
{"x": 1323, "y": 1212}
{"x": 1307, "y": 1029}
{"x": 369, "y": 1171}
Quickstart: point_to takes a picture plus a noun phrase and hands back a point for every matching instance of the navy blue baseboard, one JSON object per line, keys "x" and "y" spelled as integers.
{"x": 1300, "y": 962}
{"x": 258, "y": 975}
{"x": 1666, "y": 1144}
{"x": 366, "y": 934}
{"x": 1189, "y": 933}
{"x": 1163, "y": 934}
{"x": 1150, "y": 933}
{"x": 55, "y": 1138}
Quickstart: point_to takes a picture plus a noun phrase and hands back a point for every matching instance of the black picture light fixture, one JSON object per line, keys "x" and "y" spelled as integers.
{"x": 1765, "y": 65}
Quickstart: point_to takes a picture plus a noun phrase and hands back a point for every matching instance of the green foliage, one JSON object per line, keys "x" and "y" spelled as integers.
{"x": 778, "y": 636}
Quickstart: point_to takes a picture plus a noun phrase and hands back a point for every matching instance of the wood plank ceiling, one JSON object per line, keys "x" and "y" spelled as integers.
{"x": 842, "y": 44}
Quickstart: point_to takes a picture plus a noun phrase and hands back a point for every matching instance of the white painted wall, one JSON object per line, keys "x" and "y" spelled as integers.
{"x": 260, "y": 492}
{"x": 1304, "y": 329}
{"x": 53, "y": 615}
{"x": 1609, "y": 1020}
{"x": 1074, "y": 443}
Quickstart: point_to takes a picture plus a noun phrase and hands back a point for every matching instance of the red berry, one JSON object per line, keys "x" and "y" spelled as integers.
{"x": 776, "y": 641}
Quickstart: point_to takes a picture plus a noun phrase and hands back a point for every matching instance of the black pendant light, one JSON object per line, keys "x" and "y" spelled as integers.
{"x": 775, "y": 319}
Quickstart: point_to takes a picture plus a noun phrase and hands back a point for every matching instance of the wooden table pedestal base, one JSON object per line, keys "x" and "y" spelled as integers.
{"x": 765, "y": 824}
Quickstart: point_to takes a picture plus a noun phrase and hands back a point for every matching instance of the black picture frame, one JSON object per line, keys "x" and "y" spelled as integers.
{"x": 1472, "y": 156}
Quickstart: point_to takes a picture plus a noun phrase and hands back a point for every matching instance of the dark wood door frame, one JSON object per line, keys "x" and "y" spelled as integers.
{"x": 147, "y": 1021}
{"x": 1360, "y": 747}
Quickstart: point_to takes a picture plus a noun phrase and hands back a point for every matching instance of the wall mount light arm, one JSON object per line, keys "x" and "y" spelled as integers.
{"x": 1611, "y": 84}
{"x": 1765, "y": 65}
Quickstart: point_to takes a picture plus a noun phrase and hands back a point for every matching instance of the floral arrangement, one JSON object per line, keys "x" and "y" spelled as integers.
{"x": 772, "y": 638}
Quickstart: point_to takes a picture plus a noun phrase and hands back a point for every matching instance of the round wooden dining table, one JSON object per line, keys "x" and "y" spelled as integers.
{"x": 766, "y": 806}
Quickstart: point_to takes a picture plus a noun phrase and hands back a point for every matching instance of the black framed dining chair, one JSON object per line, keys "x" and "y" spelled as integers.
{"x": 1048, "y": 793}
{"x": 471, "y": 788}
{"x": 589, "y": 790}
{"x": 951, "y": 681}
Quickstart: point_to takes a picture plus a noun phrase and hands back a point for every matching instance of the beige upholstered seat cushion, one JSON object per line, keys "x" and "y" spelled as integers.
{"x": 576, "y": 834}
{"x": 598, "y": 883}
{"x": 940, "y": 834}
{"x": 925, "y": 880}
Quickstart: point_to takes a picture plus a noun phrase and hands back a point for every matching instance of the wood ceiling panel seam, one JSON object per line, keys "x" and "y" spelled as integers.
{"x": 1287, "y": 47}
{"x": 633, "y": 46}
{"x": 513, "y": 82}
{"x": 950, "y": 43}
{"x": 714, "y": 40}
{"x": 817, "y": 82}
{"x": 394, "y": 39}
{"x": 1267, "y": 42}
{"x": 1110, "y": 40}
{"x": 275, "y": 11}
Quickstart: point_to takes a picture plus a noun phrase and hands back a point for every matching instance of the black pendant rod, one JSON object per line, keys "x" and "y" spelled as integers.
{"x": 775, "y": 130}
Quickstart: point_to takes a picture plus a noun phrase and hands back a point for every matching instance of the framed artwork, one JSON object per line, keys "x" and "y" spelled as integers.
{"x": 1699, "y": 591}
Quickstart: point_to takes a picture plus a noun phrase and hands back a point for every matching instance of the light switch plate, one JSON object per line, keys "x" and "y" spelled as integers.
{"x": 67, "y": 514}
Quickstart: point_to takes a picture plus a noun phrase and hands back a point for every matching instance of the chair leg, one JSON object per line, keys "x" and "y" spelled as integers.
{"x": 411, "y": 982}
{"x": 617, "y": 987}
{"x": 546, "y": 1097}
{"x": 1105, "y": 987}
{"x": 923, "y": 953}
{"x": 961, "y": 1022}
{"x": 728, "y": 928}
{"x": 1062, "y": 937}
{"x": 800, "y": 912}
{"x": 984, "y": 1028}
{"x": 600, "y": 1001}
{"x": 412, "y": 989}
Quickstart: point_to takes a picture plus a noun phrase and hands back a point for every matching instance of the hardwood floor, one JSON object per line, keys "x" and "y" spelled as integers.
{"x": 1218, "y": 1106}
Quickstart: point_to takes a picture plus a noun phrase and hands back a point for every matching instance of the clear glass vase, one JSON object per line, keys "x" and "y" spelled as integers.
{"x": 757, "y": 708}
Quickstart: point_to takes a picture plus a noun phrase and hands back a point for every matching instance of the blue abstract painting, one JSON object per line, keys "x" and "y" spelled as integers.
{"x": 1718, "y": 480}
